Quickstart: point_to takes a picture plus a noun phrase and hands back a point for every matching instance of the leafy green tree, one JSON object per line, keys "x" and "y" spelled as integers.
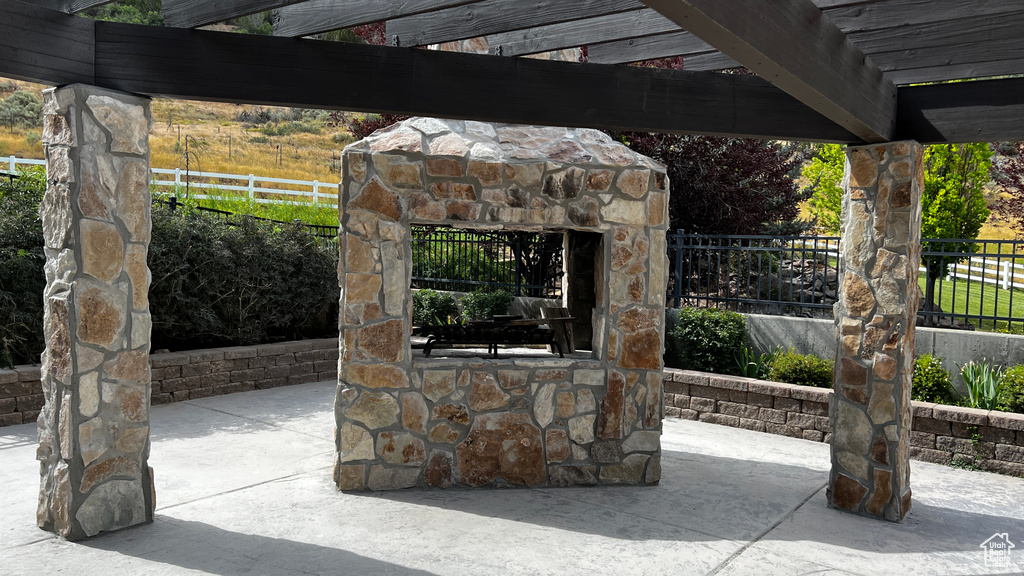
{"x": 825, "y": 173}
{"x": 953, "y": 205}
{"x": 148, "y": 12}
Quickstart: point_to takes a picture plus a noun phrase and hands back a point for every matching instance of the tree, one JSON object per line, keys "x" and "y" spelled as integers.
{"x": 953, "y": 200}
{"x": 148, "y": 12}
{"x": 726, "y": 185}
{"x": 953, "y": 205}
{"x": 825, "y": 172}
{"x": 1011, "y": 177}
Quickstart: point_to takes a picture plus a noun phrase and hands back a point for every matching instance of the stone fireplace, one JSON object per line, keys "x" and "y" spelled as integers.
{"x": 405, "y": 420}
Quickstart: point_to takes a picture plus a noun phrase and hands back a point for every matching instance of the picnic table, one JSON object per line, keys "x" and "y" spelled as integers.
{"x": 503, "y": 330}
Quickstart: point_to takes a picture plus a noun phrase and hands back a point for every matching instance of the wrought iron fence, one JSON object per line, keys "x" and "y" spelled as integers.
{"x": 755, "y": 274}
{"x": 526, "y": 264}
{"x": 968, "y": 284}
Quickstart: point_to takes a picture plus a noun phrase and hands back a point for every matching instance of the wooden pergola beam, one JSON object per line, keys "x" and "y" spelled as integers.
{"x": 195, "y": 13}
{"x": 316, "y": 16}
{"x": 794, "y": 46}
{"x": 40, "y": 44}
{"x": 980, "y": 111}
{"x": 242, "y": 68}
{"x": 496, "y": 16}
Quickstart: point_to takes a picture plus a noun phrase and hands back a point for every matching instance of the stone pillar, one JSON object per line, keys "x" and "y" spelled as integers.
{"x": 94, "y": 427}
{"x": 875, "y": 312}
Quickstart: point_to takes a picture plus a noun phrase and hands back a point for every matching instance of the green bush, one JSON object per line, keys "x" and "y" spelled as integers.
{"x": 22, "y": 109}
{"x": 21, "y": 268}
{"x": 482, "y": 305}
{"x": 430, "y": 308}
{"x": 802, "y": 369}
{"x": 931, "y": 381}
{"x": 751, "y": 365}
{"x": 706, "y": 339}
{"x": 253, "y": 282}
{"x": 1011, "y": 398}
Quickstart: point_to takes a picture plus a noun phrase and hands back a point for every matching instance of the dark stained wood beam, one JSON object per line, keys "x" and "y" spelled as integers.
{"x": 42, "y": 45}
{"x": 793, "y": 45}
{"x": 986, "y": 46}
{"x": 242, "y": 68}
{"x": 980, "y": 111}
{"x": 316, "y": 16}
{"x": 68, "y": 6}
{"x": 890, "y": 14}
{"x": 195, "y": 13}
{"x": 494, "y": 16}
{"x": 576, "y": 33}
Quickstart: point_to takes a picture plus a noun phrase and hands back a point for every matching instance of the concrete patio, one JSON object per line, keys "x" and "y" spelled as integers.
{"x": 243, "y": 487}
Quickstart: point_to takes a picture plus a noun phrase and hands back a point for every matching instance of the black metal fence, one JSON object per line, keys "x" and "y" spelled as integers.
{"x": 794, "y": 275}
{"x": 526, "y": 264}
{"x": 967, "y": 284}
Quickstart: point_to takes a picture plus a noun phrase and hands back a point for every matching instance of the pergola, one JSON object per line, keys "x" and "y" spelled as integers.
{"x": 875, "y": 74}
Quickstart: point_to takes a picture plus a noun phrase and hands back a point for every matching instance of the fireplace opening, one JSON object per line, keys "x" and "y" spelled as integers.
{"x": 550, "y": 276}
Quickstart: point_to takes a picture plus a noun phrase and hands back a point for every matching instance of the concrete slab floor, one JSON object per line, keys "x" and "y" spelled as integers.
{"x": 243, "y": 487}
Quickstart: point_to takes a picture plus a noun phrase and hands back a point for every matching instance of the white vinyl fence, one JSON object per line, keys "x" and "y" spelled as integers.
{"x": 256, "y": 188}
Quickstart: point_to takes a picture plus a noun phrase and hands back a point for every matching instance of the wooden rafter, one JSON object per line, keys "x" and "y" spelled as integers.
{"x": 793, "y": 45}
{"x": 68, "y": 6}
{"x": 495, "y": 16}
{"x": 195, "y": 13}
{"x": 318, "y": 16}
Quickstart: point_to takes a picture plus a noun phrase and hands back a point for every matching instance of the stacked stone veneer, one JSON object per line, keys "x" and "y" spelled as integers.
{"x": 406, "y": 421}
{"x": 94, "y": 425}
{"x": 879, "y": 258}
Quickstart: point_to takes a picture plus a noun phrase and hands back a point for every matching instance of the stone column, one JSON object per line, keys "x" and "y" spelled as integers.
{"x": 94, "y": 427}
{"x": 878, "y": 298}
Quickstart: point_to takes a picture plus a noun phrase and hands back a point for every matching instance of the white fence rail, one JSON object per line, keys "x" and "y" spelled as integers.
{"x": 1004, "y": 274}
{"x": 254, "y": 188}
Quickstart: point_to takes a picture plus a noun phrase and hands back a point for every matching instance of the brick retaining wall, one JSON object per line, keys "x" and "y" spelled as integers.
{"x": 991, "y": 440}
{"x": 194, "y": 374}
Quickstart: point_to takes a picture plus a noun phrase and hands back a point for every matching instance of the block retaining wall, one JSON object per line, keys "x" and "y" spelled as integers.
{"x": 992, "y": 440}
{"x": 194, "y": 374}
{"x": 940, "y": 433}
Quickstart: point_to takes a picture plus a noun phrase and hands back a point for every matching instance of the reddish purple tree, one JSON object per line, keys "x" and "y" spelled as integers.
{"x": 726, "y": 185}
{"x": 1010, "y": 175}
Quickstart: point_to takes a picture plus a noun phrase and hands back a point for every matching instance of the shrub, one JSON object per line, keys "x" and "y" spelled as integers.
{"x": 430, "y": 308}
{"x": 802, "y": 369}
{"x": 931, "y": 381}
{"x": 984, "y": 384}
{"x": 706, "y": 339}
{"x": 21, "y": 268}
{"x": 482, "y": 305}
{"x": 1011, "y": 397}
{"x": 22, "y": 109}
{"x": 254, "y": 282}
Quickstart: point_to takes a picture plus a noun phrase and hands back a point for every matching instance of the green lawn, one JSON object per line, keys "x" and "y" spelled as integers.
{"x": 978, "y": 298}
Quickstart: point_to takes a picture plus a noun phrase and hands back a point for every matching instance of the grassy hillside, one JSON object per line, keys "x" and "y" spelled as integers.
{"x": 310, "y": 152}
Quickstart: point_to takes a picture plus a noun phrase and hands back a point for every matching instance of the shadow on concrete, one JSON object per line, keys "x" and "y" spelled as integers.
{"x": 212, "y": 550}
{"x": 704, "y": 498}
